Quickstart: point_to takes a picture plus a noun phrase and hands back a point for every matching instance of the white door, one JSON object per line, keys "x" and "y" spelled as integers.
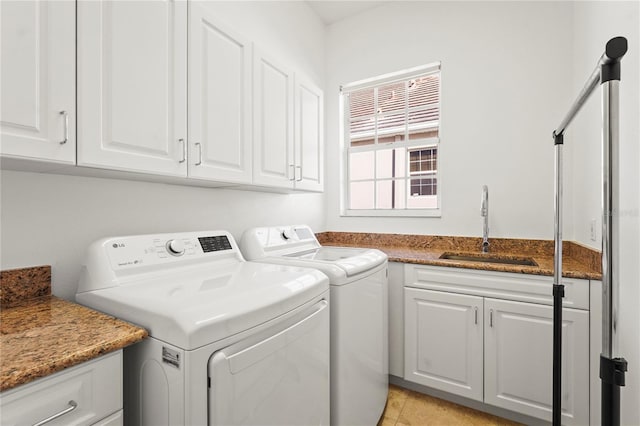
{"x": 278, "y": 378}
{"x": 273, "y": 161}
{"x": 219, "y": 99}
{"x": 519, "y": 360}
{"x": 309, "y": 147}
{"x": 37, "y": 69}
{"x": 443, "y": 341}
{"x": 132, "y": 85}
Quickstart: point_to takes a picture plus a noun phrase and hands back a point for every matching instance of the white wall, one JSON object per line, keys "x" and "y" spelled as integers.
{"x": 504, "y": 66}
{"x": 595, "y": 23}
{"x": 288, "y": 30}
{"x": 50, "y": 219}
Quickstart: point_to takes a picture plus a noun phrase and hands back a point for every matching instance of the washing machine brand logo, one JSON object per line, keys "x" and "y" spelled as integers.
{"x": 118, "y": 245}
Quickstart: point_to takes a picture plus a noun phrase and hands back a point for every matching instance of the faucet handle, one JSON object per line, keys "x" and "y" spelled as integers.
{"x": 484, "y": 202}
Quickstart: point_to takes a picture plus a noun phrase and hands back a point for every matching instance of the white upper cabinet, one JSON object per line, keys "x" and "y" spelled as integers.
{"x": 219, "y": 99}
{"x": 37, "y": 68}
{"x": 162, "y": 88}
{"x": 309, "y": 136}
{"x": 273, "y": 161}
{"x": 132, "y": 86}
{"x": 288, "y": 127}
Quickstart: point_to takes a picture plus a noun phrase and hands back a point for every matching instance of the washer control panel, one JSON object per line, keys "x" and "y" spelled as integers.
{"x": 217, "y": 243}
{"x": 175, "y": 247}
{"x": 257, "y": 243}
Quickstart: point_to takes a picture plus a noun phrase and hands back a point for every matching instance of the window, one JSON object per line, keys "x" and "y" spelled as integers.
{"x": 391, "y": 130}
{"x": 422, "y": 169}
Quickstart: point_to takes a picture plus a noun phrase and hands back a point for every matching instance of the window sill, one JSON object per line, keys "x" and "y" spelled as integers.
{"x": 392, "y": 213}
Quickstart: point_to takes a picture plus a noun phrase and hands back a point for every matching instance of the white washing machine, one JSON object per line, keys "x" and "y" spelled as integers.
{"x": 231, "y": 342}
{"x": 359, "y": 315}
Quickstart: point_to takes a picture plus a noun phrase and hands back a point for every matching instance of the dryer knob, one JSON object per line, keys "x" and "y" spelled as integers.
{"x": 287, "y": 234}
{"x": 175, "y": 247}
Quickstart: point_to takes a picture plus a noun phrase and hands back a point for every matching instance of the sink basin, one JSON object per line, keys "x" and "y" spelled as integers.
{"x": 487, "y": 258}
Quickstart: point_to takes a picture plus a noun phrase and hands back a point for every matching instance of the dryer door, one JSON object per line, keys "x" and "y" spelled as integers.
{"x": 280, "y": 377}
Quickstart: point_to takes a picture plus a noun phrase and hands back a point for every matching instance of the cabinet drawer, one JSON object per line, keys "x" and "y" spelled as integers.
{"x": 499, "y": 285}
{"x": 95, "y": 386}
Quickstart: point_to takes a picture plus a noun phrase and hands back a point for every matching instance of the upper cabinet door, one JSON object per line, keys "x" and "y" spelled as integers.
{"x": 273, "y": 162}
{"x": 132, "y": 85}
{"x": 309, "y": 147}
{"x": 219, "y": 99}
{"x": 37, "y": 68}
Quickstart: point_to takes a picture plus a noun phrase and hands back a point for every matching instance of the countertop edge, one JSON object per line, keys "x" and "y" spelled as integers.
{"x": 430, "y": 256}
{"x": 63, "y": 363}
{"x": 489, "y": 267}
{"x": 14, "y": 375}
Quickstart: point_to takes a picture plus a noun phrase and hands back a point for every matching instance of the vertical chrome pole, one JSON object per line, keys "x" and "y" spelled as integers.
{"x": 558, "y": 288}
{"x": 610, "y": 209}
{"x": 557, "y": 260}
{"x": 612, "y": 368}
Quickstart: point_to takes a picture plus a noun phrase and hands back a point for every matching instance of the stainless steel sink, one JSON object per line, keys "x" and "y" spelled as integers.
{"x": 506, "y": 260}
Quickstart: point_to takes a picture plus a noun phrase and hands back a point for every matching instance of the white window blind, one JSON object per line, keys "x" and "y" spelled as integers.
{"x": 392, "y": 126}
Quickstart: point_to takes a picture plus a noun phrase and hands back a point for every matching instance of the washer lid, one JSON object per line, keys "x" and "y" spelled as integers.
{"x": 193, "y": 307}
{"x": 350, "y": 260}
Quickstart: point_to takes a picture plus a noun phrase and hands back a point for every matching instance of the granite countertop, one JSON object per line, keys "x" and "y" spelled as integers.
{"x": 41, "y": 334}
{"x": 577, "y": 262}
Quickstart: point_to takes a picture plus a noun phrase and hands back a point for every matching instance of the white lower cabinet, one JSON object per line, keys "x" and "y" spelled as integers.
{"x": 518, "y": 359}
{"x": 443, "y": 335}
{"x": 87, "y": 394}
{"x": 495, "y": 350}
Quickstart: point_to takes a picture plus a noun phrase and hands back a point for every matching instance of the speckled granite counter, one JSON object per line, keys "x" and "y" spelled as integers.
{"x": 577, "y": 261}
{"x": 41, "y": 334}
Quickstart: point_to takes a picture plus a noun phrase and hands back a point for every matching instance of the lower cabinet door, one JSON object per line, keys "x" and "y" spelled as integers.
{"x": 443, "y": 341}
{"x": 519, "y": 360}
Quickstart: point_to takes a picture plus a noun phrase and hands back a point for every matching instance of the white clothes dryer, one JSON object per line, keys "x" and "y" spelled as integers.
{"x": 231, "y": 342}
{"x": 359, "y": 315}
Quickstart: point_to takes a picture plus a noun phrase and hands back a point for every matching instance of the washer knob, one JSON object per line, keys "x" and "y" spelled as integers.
{"x": 175, "y": 247}
{"x": 287, "y": 234}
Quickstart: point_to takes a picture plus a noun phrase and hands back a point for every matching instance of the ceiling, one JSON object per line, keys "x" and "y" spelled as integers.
{"x": 331, "y": 11}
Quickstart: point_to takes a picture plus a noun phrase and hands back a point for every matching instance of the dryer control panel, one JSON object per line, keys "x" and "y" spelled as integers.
{"x": 110, "y": 257}
{"x": 130, "y": 251}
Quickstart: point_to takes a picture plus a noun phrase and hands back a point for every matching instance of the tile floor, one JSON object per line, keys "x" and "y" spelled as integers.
{"x": 408, "y": 408}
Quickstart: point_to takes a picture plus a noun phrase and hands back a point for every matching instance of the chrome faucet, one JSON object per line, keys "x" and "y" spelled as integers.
{"x": 484, "y": 212}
